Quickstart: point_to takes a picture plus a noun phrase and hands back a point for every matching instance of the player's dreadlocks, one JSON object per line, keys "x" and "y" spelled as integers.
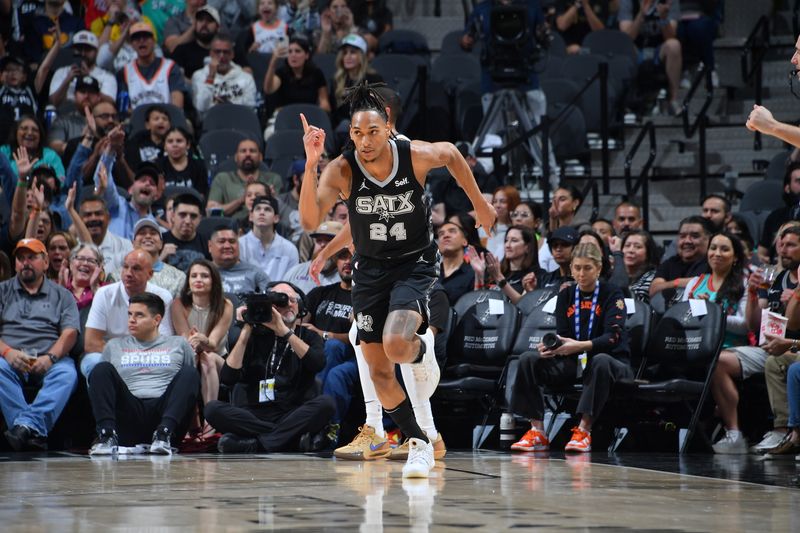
{"x": 365, "y": 97}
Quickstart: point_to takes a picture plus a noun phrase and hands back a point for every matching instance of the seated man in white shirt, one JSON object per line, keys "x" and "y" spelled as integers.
{"x": 108, "y": 317}
{"x": 262, "y": 246}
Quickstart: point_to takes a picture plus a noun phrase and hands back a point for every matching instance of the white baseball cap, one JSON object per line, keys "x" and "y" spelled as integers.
{"x": 86, "y": 38}
{"x": 356, "y": 41}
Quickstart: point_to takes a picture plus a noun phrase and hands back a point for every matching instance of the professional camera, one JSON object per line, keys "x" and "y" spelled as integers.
{"x": 512, "y": 46}
{"x": 551, "y": 341}
{"x": 259, "y": 306}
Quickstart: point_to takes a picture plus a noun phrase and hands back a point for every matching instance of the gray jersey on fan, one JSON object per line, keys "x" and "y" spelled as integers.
{"x": 147, "y": 368}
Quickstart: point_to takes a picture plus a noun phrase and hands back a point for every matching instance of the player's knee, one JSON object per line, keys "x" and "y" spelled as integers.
{"x": 397, "y": 347}
{"x": 381, "y": 376}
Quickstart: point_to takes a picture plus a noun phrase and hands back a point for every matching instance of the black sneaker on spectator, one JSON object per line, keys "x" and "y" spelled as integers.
{"x": 106, "y": 443}
{"x": 232, "y": 443}
{"x": 161, "y": 442}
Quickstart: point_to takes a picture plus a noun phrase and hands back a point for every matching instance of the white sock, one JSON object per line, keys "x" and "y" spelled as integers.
{"x": 371, "y": 402}
{"x": 419, "y": 394}
{"x": 733, "y": 433}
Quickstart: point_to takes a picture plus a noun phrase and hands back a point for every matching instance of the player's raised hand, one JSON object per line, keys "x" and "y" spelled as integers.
{"x": 485, "y": 216}
{"x": 313, "y": 141}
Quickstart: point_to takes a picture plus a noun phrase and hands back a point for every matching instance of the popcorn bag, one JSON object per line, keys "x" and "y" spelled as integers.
{"x": 771, "y": 323}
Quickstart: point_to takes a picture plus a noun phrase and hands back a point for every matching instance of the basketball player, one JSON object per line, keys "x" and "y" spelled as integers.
{"x": 396, "y": 259}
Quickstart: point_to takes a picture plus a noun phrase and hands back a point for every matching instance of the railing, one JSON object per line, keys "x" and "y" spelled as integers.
{"x": 700, "y": 123}
{"x": 420, "y": 86}
{"x": 543, "y": 128}
{"x": 642, "y": 181}
{"x": 755, "y": 49}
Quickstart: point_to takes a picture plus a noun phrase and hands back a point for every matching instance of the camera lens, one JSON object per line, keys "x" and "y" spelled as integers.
{"x": 551, "y": 341}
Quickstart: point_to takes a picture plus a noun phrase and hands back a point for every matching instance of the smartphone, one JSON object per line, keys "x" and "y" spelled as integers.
{"x": 216, "y": 212}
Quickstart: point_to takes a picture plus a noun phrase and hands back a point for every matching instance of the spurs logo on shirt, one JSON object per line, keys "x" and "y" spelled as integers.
{"x": 384, "y": 205}
{"x": 389, "y": 217}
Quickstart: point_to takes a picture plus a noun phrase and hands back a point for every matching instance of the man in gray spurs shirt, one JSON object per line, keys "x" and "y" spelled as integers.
{"x": 145, "y": 384}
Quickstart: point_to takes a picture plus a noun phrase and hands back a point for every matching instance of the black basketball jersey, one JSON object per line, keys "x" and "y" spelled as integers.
{"x": 391, "y": 218}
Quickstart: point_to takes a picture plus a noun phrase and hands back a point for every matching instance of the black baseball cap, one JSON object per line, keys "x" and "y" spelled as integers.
{"x": 87, "y": 84}
{"x": 566, "y": 234}
{"x": 268, "y": 200}
{"x": 148, "y": 169}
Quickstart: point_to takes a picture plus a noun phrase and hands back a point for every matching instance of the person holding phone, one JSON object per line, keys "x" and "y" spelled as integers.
{"x": 222, "y": 80}
{"x": 591, "y": 346}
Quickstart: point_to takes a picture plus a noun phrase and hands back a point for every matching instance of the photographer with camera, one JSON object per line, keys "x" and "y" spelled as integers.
{"x": 591, "y": 346}
{"x": 278, "y": 371}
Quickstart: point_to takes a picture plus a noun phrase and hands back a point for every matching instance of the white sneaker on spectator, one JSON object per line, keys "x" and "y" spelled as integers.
{"x": 733, "y": 443}
{"x": 420, "y": 459}
{"x": 770, "y": 440}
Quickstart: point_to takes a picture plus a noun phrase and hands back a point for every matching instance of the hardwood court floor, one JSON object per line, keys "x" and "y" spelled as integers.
{"x": 468, "y": 491}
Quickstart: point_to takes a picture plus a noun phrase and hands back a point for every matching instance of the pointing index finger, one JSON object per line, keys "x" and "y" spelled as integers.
{"x": 305, "y": 122}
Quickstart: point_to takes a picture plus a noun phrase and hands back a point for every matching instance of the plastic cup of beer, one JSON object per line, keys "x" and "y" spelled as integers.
{"x": 768, "y": 273}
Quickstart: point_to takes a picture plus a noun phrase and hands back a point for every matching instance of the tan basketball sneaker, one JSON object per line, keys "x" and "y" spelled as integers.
{"x": 400, "y": 453}
{"x": 366, "y": 446}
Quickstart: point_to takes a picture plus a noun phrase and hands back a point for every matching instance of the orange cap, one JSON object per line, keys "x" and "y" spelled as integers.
{"x": 34, "y": 245}
{"x": 141, "y": 27}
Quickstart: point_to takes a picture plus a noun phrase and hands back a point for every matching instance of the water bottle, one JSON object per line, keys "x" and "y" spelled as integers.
{"x": 123, "y": 102}
{"x": 508, "y": 432}
{"x": 50, "y": 115}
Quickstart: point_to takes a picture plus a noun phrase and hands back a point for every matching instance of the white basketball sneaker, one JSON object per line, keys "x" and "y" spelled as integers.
{"x": 420, "y": 459}
{"x": 426, "y": 371}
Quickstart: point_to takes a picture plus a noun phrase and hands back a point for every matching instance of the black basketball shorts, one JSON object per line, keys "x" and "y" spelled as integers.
{"x": 382, "y": 286}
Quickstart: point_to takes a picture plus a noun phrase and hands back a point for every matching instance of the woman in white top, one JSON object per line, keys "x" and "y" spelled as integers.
{"x": 504, "y": 200}
{"x": 203, "y": 316}
{"x": 565, "y": 204}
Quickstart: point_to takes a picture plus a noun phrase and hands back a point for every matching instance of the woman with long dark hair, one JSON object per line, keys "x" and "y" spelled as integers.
{"x": 202, "y": 314}
{"x": 518, "y": 271}
{"x": 58, "y": 244}
{"x": 640, "y": 258}
{"x": 28, "y": 133}
{"x": 179, "y": 164}
{"x": 724, "y": 285}
{"x": 298, "y": 80}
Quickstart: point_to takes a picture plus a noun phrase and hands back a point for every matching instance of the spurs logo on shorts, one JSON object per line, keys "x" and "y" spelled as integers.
{"x": 364, "y": 322}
